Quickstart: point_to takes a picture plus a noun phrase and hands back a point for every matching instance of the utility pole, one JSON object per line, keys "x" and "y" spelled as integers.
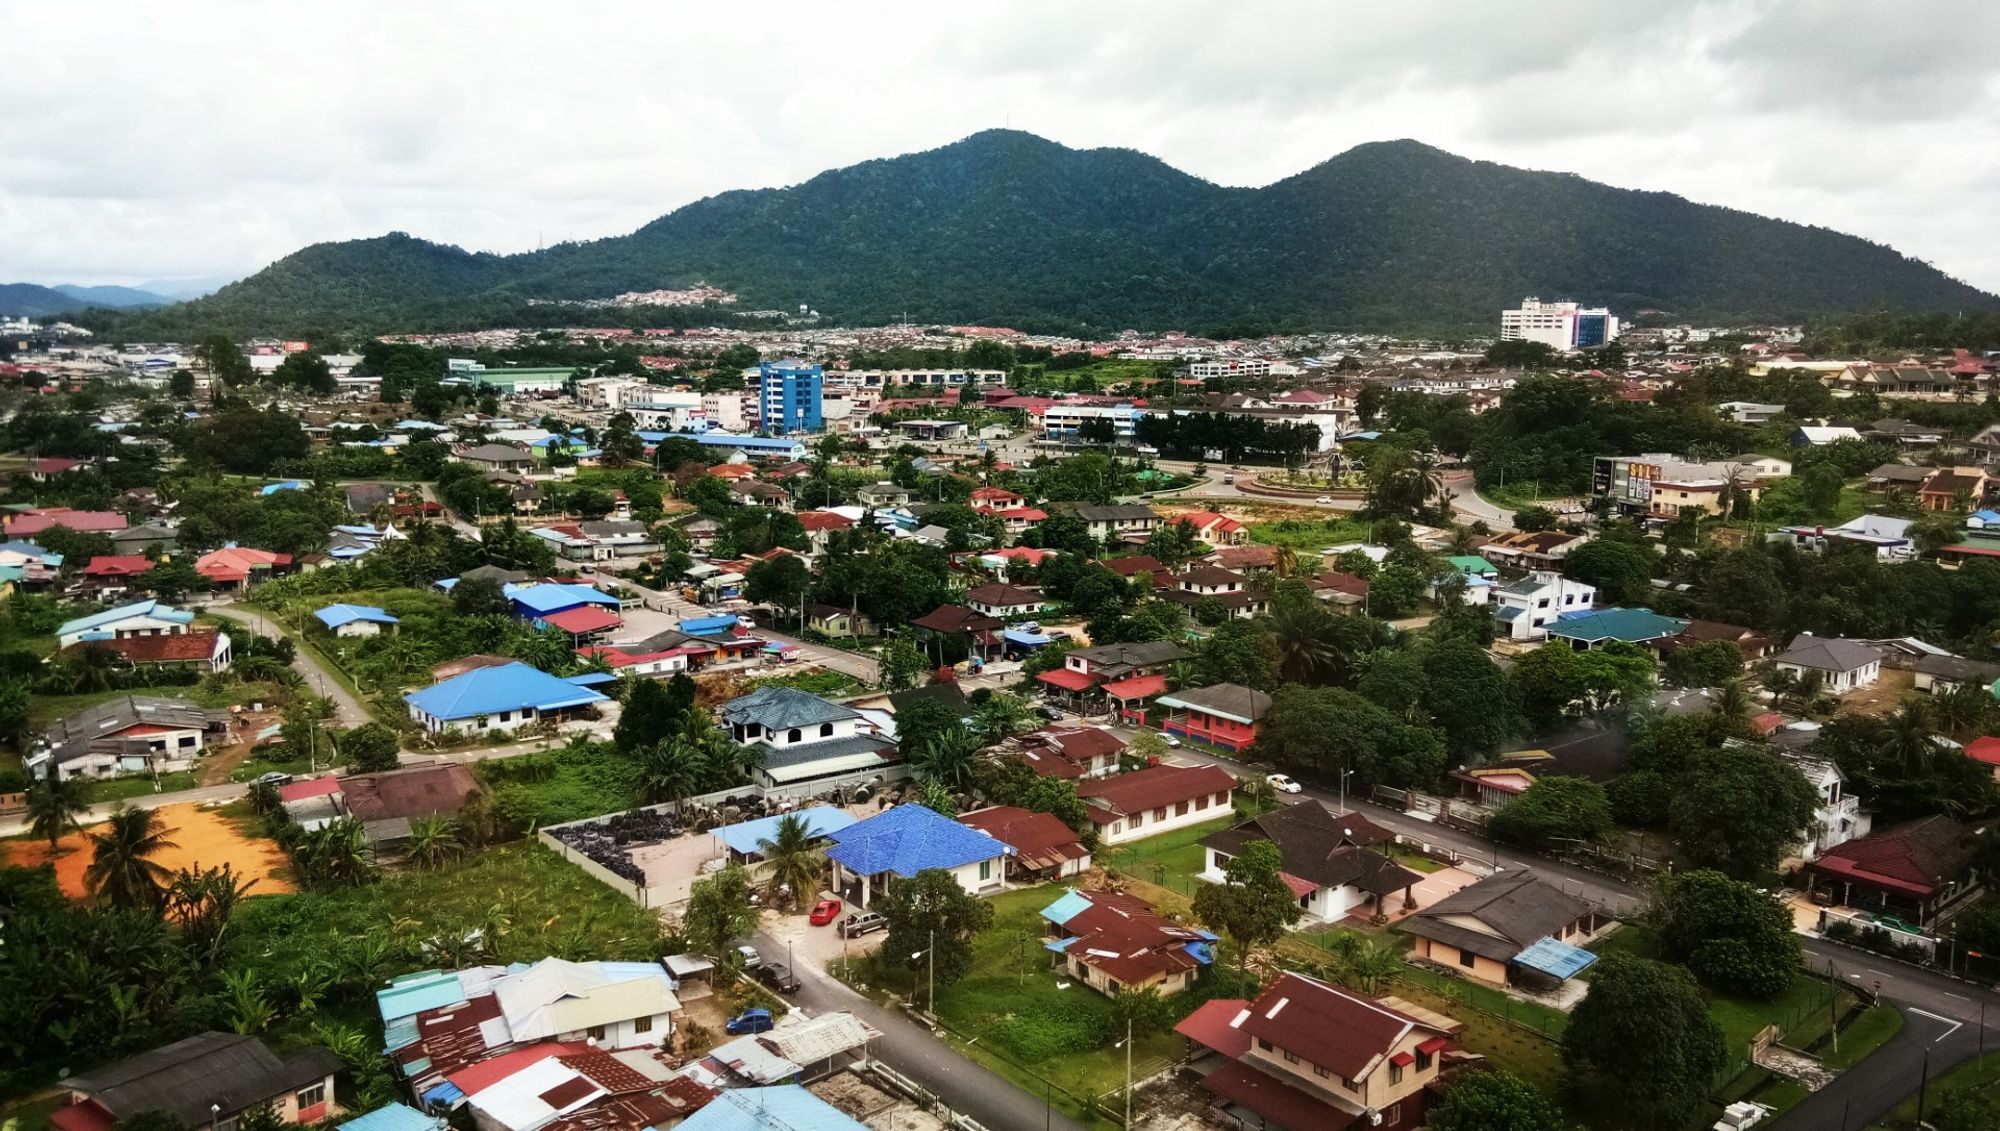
{"x": 1128, "y": 1074}
{"x": 1923, "y": 1086}
{"x": 932, "y": 994}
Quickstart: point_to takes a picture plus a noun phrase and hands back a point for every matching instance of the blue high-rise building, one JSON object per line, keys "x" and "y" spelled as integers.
{"x": 788, "y": 397}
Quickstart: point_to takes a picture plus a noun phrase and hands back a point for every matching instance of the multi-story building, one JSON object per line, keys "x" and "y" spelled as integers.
{"x": 1562, "y": 325}
{"x": 1066, "y": 421}
{"x": 900, "y": 378}
{"x": 1527, "y": 607}
{"x": 1664, "y": 487}
{"x": 669, "y": 410}
{"x": 788, "y": 397}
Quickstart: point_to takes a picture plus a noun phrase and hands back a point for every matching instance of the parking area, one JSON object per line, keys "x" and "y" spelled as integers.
{"x": 813, "y": 947}
{"x": 672, "y": 866}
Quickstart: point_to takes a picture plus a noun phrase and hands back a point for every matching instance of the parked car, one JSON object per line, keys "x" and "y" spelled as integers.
{"x": 275, "y": 778}
{"x": 824, "y": 912}
{"x": 1323, "y": 500}
{"x": 1052, "y": 714}
{"x": 1171, "y": 739}
{"x": 749, "y": 1021}
{"x": 1282, "y": 783}
{"x": 862, "y": 923}
{"x": 751, "y": 959}
{"x": 779, "y": 977}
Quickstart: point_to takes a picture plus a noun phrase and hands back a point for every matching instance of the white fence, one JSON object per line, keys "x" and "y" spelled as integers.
{"x": 634, "y": 892}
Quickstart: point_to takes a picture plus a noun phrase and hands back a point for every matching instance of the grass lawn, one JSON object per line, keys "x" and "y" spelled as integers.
{"x": 562, "y": 784}
{"x": 1867, "y": 1031}
{"x": 137, "y": 785}
{"x": 1308, "y": 537}
{"x": 1511, "y": 1047}
{"x": 1541, "y": 1018}
{"x": 1169, "y": 860}
{"x": 1415, "y": 861}
{"x": 1981, "y": 1073}
{"x": 1522, "y": 495}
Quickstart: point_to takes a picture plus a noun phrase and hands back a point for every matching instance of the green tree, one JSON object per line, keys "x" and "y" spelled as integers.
{"x": 931, "y": 910}
{"x": 1734, "y": 936}
{"x": 1749, "y": 810}
{"x": 1710, "y": 663}
{"x": 797, "y": 864}
{"x": 122, "y": 870}
{"x": 436, "y": 839}
{"x": 1395, "y": 591}
{"x": 54, "y": 803}
{"x": 480, "y": 597}
{"x": 370, "y": 748}
{"x": 1494, "y": 1100}
{"x": 1469, "y": 698}
{"x": 1622, "y": 571}
{"x": 719, "y": 912}
{"x": 1555, "y": 808}
{"x": 899, "y": 664}
{"x": 1644, "y": 1031}
{"x": 1535, "y": 519}
{"x": 172, "y": 580}
{"x": 1253, "y": 906}
{"x": 650, "y": 716}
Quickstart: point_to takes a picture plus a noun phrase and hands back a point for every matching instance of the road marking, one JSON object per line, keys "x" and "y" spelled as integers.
{"x": 1956, "y": 997}
{"x": 1955, "y": 1025}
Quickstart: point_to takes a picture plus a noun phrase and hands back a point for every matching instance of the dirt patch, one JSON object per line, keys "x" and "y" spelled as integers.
{"x": 1890, "y": 689}
{"x": 201, "y": 837}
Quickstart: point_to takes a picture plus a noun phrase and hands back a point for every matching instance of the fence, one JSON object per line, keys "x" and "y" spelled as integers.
{"x": 918, "y": 1094}
{"x": 599, "y": 872}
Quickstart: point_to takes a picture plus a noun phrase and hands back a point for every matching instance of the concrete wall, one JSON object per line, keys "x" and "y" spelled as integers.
{"x": 597, "y": 871}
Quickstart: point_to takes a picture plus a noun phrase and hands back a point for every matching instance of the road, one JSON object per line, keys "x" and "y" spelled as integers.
{"x": 853, "y": 664}
{"x": 967, "y": 1086}
{"x": 1868, "y": 1091}
{"x": 347, "y": 710}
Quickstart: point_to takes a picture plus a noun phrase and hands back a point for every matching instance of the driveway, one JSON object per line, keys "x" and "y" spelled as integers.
{"x": 674, "y": 608}
{"x": 347, "y": 710}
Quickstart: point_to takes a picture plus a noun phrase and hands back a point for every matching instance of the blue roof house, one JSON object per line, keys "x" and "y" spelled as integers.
{"x": 355, "y": 620}
{"x": 497, "y": 699}
{"x": 1589, "y": 629}
{"x": 785, "y": 1107}
{"x": 898, "y": 843}
{"x": 141, "y": 618}
{"x": 532, "y": 601}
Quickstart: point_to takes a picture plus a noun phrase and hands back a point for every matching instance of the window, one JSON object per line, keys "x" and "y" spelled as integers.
{"x": 1395, "y": 1073}
{"x": 1201, "y": 802}
{"x": 1423, "y": 1060}
{"x": 793, "y": 735}
{"x": 1291, "y": 1057}
{"x": 1117, "y": 827}
{"x": 1110, "y": 985}
{"x": 1160, "y": 814}
{"x": 1263, "y": 1044}
{"x": 596, "y": 1032}
{"x": 1467, "y": 958}
{"x": 226, "y": 1124}
{"x": 1392, "y": 1115}
{"x": 986, "y": 869}
{"x": 642, "y": 1024}
{"x": 1320, "y": 1071}
{"x": 826, "y": 730}
{"x": 311, "y": 1097}
{"x": 1181, "y": 809}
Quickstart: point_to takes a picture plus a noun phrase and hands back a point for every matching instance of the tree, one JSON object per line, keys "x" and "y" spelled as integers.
{"x": 918, "y": 722}
{"x": 370, "y": 748}
{"x": 796, "y": 863}
{"x": 1395, "y": 591}
{"x": 1554, "y": 681}
{"x": 337, "y": 854}
{"x": 783, "y": 581}
{"x": 480, "y": 597}
{"x": 1243, "y": 652}
{"x": 1254, "y": 905}
{"x": 172, "y": 580}
{"x": 1644, "y": 1029}
{"x": 1469, "y": 698}
{"x": 1559, "y": 807}
{"x": 650, "y": 715}
{"x": 1494, "y": 1100}
{"x": 122, "y": 870}
{"x": 54, "y": 803}
{"x": 1000, "y": 717}
{"x": 435, "y": 840}
{"x": 899, "y": 665}
{"x": 1710, "y": 663}
{"x": 201, "y": 902}
{"x": 719, "y": 912}
{"x": 305, "y": 370}
{"x": 1740, "y": 810}
{"x": 931, "y": 910}
{"x": 1535, "y": 519}
{"x": 1621, "y": 571}
{"x": 1731, "y": 934}
{"x": 1332, "y": 730}
{"x": 948, "y": 756}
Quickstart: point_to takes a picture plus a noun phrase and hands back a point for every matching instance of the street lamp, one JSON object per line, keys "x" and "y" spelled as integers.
{"x": 1126, "y": 1044}
{"x": 1344, "y": 775}
{"x": 931, "y": 993}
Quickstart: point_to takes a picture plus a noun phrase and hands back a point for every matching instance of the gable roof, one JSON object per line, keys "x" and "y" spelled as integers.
{"x": 1515, "y": 904}
{"x": 1916, "y": 857}
{"x": 1001, "y": 595}
{"x": 117, "y": 565}
{"x": 337, "y": 616}
{"x": 1120, "y": 795}
{"x": 1322, "y": 849}
{"x": 1829, "y": 653}
{"x": 184, "y": 1078}
{"x": 489, "y": 691}
{"x": 180, "y": 647}
{"x": 1039, "y": 840}
{"x": 109, "y": 617}
{"x": 785, "y": 1107}
{"x": 74, "y": 735}
{"x": 907, "y": 839}
{"x": 414, "y": 791}
{"x": 1224, "y": 700}
{"x": 1632, "y": 626}
{"x": 783, "y": 708}
{"x": 1337, "y": 1030}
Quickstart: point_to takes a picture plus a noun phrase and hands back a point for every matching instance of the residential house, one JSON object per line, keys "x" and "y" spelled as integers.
{"x": 52, "y": 467}
{"x": 1905, "y": 433}
{"x": 207, "y": 1082}
{"x": 1072, "y": 752}
{"x": 1532, "y": 549}
{"x": 37, "y": 566}
{"x": 1245, "y": 559}
{"x": 1842, "y": 665}
{"x": 1812, "y": 436}
{"x": 1157, "y": 799}
{"x": 996, "y": 498}
{"x": 1344, "y": 589}
{"x": 1115, "y": 523}
{"x": 1086, "y": 670}
{"x": 882, "y": 496}
{"x": 498, "y": 699}
{"x": 1985, "y": 446}
{"x": 355, "y": 620}
{"x": 1590, "y": 629}
{"x": 1508, "y": 928}
{"x": 1837, "y": 819}
{"x": 110, "y": 576}
{"x": 1938, "y": 675}
{"x": 1113, "y": 942}
{"x": 1898, "y": 478}
{"x": 240, "y": 567}
{"x": 128, "y": 735}
{"x": 208, "y": 651}
{"x": 804, "y": 738}
{"x": 1213, "y": 528}
{"x": 1954, "y": 489}
{"x": 1985, "y": 751}
{"x": 1910, "y": 870}
{"x": 1889, "y": 537}
{"x": 498, "y": 457}
{"x": 141, "y": 618}
{"x": 1138, "y": 568}
{"x": 1225, "y": 714}
{"x": 1526, "y": 608}
{"x": 385, "y": 802}
{"x": 1331, "y": 863}
{"x": 751, "y": 493}
{"x": 1044, "y": 848}
{"x": 1307, "y": 1055}
{"x": 820, "y": 524}
{"x": 29, "y": 523}
{"x": 1749, "y": 412}
{"x": 832, "y": 620}
{"x": 780, "y": 1108}
{"x": 1004, "y": 601}
{"x": 1228, "y": 589}
{"x": 903, "y": 840}
{"x": 1748, "y": 641}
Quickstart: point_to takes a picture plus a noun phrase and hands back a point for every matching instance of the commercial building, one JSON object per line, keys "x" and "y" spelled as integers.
{"x": 1561, "y": 325}
{"x": 1661, "y": 486}
{"x": 788, "y": 397}
{"x": 1066, "y": 421}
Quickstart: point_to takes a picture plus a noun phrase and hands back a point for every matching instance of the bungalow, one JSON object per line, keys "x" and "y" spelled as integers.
{"x": 1142, "y": 568}
{"x": 1985, "y": 751}
{"x": 239, "y": 567}
{"x": 751, "y": 493}
{"x": 498, "y": 457}
{"x": 820, "y": 524}
{"x": 1087, "y": 668}
{"x": 128, "y": 735}
{"x": 1508, "y": 928}
{"x": 498, "y": 699}
{"x": 1842, "y": 665}
{"x": 1113, "y": 942}
{"x": 49, "y": 467}
{"x": 386, "y": 801}
{"x": 207, "y": 1082}
{"x": 1116, "y": 523}
{"x": 1344, "y": 589}
{"x": 201, "y": 651}
{"x": 1213, "y": 528}
{"x": 901, "y": 841}
{"x": 1330, "y": 863}
{"x": 537, "y": 601}
{"x": 1748, "y": 641}
{"x": 1004, "y": 601}
{"x": 1898, "y": 478}
{"x": 355, "y": 620}
{"x": 1954, "y": 489}
{"x": 1244, "y": 559}
{"x": 141, "y": 618}
{"x": 1225, "y": 714}
{"x": 1155, "y": 800}
{"x": 1043, "y": 848}
{"x": 31, "y": 522}
{"x": 1910, "y": 870}
{"x": 804, "y": 738}
{"x": 1937, "y": 675}
{"x": 975, "y": 631}
{"x": 1590, "y": 629}
{"x": 1073, "y": 752}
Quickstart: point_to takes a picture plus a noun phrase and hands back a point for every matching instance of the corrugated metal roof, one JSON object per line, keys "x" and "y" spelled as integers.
{"x": 1555, "y": 958}
{"x": 821, "y": 1038}
{"x": 784, "y": 1108}
{"x": 395, "y": 1117}
{"x": 489, "y": 691}
{"x": 907, "y": 839}
{"x": 820, "y": 820}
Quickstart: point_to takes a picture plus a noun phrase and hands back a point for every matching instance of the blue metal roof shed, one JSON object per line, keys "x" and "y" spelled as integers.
{"x": 785, "y": 1107}
{"x": 1557, "y": 959}
{"x": 395, "y": 1117}
{"x": 821, "y": 821}
{"x": 908, "y": 839}
{"x": 335, "y": 616}
{"x": 554, "y": 597}
{"x": 490, "y": 691}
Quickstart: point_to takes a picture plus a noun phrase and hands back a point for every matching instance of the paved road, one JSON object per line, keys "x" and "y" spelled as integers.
{"x": 860, "y": 667}
{"x": 1469, "y": 504}
{"x": 1868, "y": 1091}
{"x": 348, "y": 711}
{"x": 966, "y": 1085}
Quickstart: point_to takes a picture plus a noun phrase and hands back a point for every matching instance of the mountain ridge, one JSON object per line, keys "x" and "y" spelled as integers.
{"x": 1008, "y": 227}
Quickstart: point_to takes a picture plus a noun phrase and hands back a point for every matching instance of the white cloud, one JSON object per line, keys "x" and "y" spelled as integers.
{"x": 217, "y": 135}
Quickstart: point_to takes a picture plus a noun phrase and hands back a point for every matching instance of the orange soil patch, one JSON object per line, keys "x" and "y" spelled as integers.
{"x": 200, "y": 836}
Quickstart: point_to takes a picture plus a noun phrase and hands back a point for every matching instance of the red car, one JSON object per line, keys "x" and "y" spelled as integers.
{"x": 824, "y": 912}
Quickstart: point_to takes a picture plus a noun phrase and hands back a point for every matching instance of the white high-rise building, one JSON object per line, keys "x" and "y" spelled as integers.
{"x": 1561, "y": 325}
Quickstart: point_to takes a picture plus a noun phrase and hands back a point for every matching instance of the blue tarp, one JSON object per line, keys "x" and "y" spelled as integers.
{"x": 1025, "y": 639}
{"x": 821, "y": 820}
{"x": 1555, "y": 958}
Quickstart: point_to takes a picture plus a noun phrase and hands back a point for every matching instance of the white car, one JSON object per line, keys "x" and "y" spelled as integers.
{"x": 1323, "y": 500}
{"x": 1282, "y": 783}
{"x": 1171, "y": 740}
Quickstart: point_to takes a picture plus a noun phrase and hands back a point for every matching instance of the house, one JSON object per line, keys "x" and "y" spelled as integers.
{"x": 37, "y": 566}
{"x": 882, "y": 496}
{"x": 1911, "y": 870}
{"x": 1761, "y": 466}
{"x": 804, "y": 738}
{"x": 1043, "y": 847}
{"x": 49, "y": 467}
{"x": 1508, "y": 928}
{"x": 1224, "y": 715}
{"x": 1839, "y": 816}
{"x": 112, "y": 575}
{"x": 1810, "y": 436}
{"x": 903, "y": 840}
{"x": 786, "y": 1107}
{"x": 498, "y": 699}
{"x": 1985, "y": 751}
{"x": 1749, "y": 412}
{"x": 1898, "y": 478}
{"x": 1113, "y": 942}
{"x": 1748, "y": 641}
{"x": 1138, "y": 567}
{"x": 1244, "y": 559}
{"x": 1589, "y": 629}
{"x": 1115, "y": 523}
{"x": 363, "y": 498}
{"x": 832, "y": 620}
{"x": 31, "y": 522}
{"x": 1905, "y": 433}
{"x": 1532, "y": 550}
{"x": 1938, "y": 675}
{"x": 141, "y": 618}
{"x": 584, "y": 622}
{"x": 996, "y": 498}
{"x": 1226, "y": 588}
{"x": 206, "y": 1082}
{"x": 1087, "y": 668}
{"x": 128, "y": 735}
{"x": 355, "y": 620}
{"x": 1016, "y": 521}
{"x": 1526, "y": 608}
{"x": 751, "y": 493}
{"x": 1330, "y": 863}
{"x": 1889, "y": 537}
{"x": 533, "y": 602}
{"x": 1954, "y": 489}
{"x": 239, "y": 567}
{"x": 385, "y": 802}
{"x": 205, "y": 651}
{"x": 1344, "y": 589}
{"x": 1157, "y": 799}
{"x": 1073, "y": 752}
{"x": 820, "y": 524}
{"x": 1004, "y": 601}
{"x": 1307, "y": 1055}
{"x": 573, "y": 1086}
{"x": 1842, "y": 665}
{"x": 498, "y": 457}
{"x": 1213, "y": 528}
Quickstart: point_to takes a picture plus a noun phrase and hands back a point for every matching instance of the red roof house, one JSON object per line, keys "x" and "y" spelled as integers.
{"x": 1044, "y": 847}
{"x": 1154, "y": 800}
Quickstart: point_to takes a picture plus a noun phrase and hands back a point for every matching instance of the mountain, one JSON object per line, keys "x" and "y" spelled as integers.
{"x": 1008, "y": 228}
{"x": 187, "y": 286}
{"x": 112, "y": 296}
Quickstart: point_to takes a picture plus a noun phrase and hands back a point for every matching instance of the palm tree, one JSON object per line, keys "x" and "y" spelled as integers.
{"x": 1002, "y": 716}
{"x": 434, "y": 841}
{"x": 1732, "y": 700}
{"x": 53, "y": 804}
{"x": 949, "y": 756}
{"x": 1284, "y": 561}
{"x": 670, "y": 771}
{"x": 1305, "y": 649}
{"x": 1368, "y": 965}
{"x": 797, "y": 864}
{"x": 201, "y": 901}
{"x": 122, "y": 870}
{"x": 337, "y": 854}
{"x": 91, "y": 670}
{"x": 1911, "y": 739}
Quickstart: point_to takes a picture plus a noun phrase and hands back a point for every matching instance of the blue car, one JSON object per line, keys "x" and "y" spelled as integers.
{"x": 749, "y": 1021}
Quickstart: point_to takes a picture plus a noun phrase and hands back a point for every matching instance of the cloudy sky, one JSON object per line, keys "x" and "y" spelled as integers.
{"x": 146, "y": 141}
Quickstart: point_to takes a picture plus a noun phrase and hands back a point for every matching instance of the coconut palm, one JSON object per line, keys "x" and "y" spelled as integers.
{"x": 201, "y": 902}
{"x": 53, "y": 804}
{"x": 1732, "y": 700}
{"x": 1369, "y": 965}
{"x": 949, "y": 756}
{"x": 435, "y": 841}
{"x": 337, "y": 854}
{"x": 1306, "y": 652}
{"x": 1284, "y": 561}
{"x": 1911, "y": 738}
{"x": 122, "y": 870}
{"x": 797, "y": 865}
{"x": 671, "y": 770}
{"x": 1002, "y": 716}
{"x": 91, "y": 670}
